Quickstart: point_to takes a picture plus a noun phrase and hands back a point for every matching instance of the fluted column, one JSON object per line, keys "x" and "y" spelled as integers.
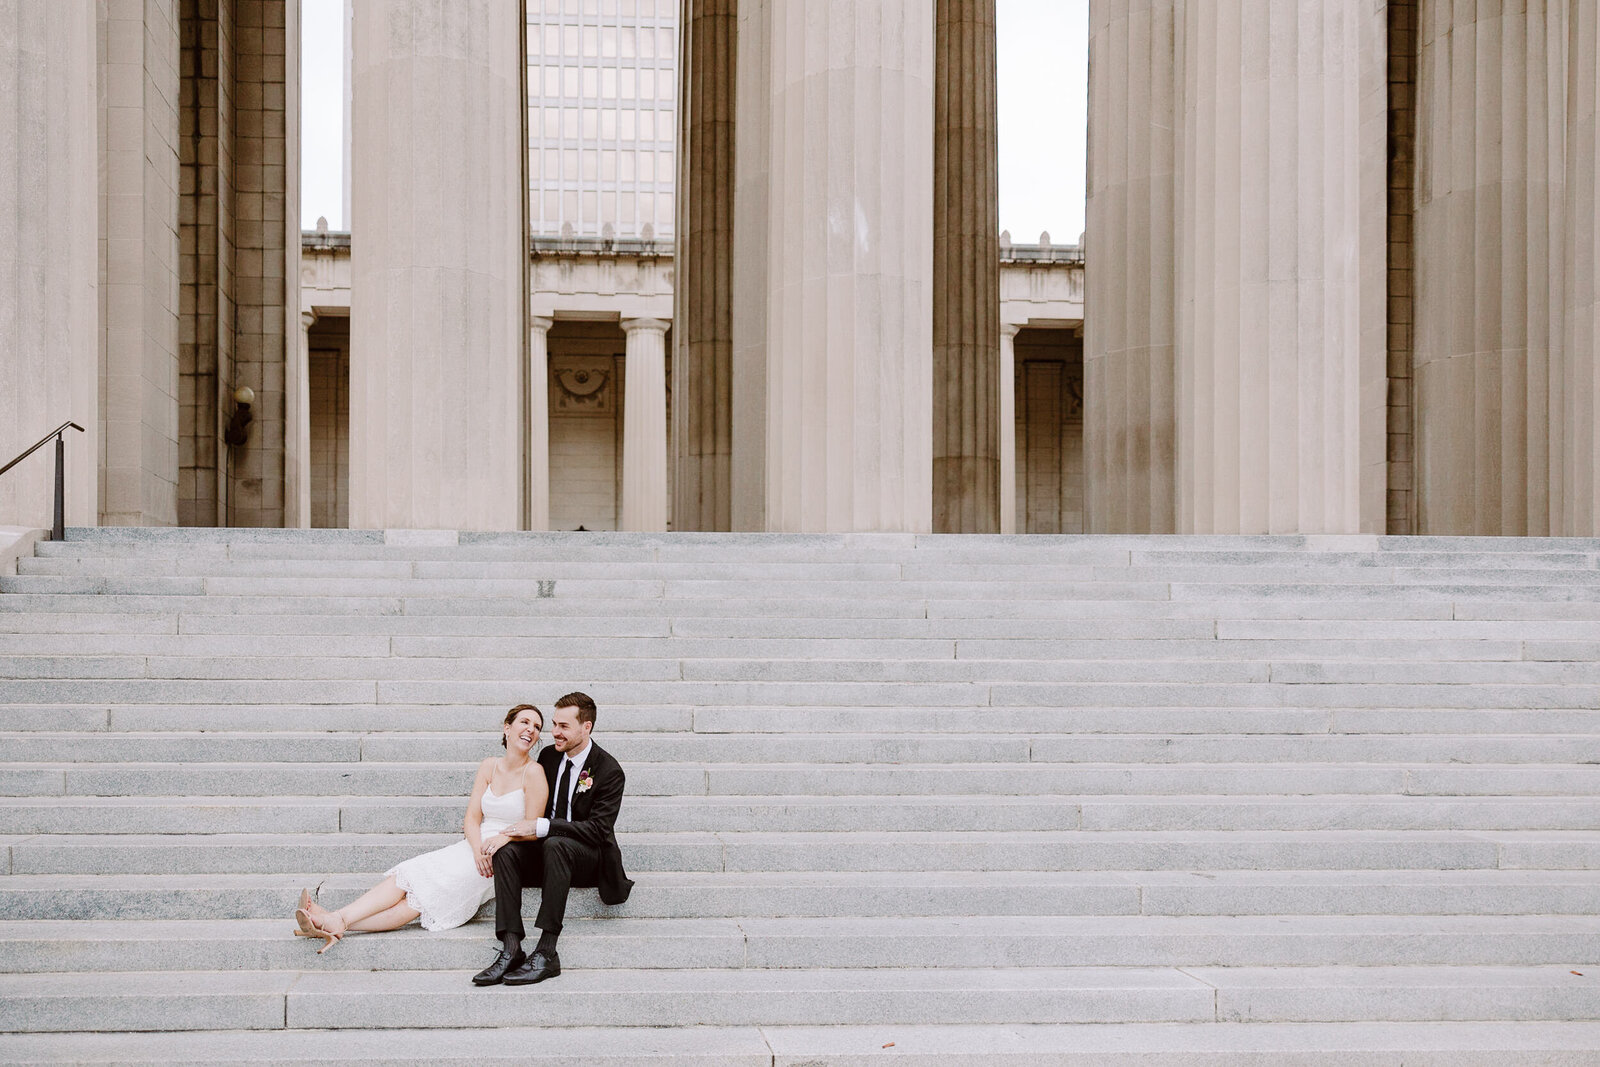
{"x": 702, "y": 362}
{"x": 1577, "y": 438}
{"x": 1135, "y": 93}
{"x": 1275, "y": 343}
{"x": 966, "y": 272}
{"x": 48, "y": 259}
{"x": 840, "y": 289}
{"x": 539, "y": 422}
{"x": 644, "y": 426}
{"x": 1490, "y": 172}
{"x": 1008, "y": 428}
{"x": 297, "y": 427}
{"x": 437, "y": 297}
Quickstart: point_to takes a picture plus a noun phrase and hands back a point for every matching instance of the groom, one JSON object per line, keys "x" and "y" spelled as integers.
{"x": 574, "y": 845}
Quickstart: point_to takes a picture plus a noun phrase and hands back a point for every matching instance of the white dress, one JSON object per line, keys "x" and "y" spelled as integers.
{"x": 444, "y": 885}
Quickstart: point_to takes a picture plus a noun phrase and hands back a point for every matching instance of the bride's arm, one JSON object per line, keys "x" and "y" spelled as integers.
{"x": 474, "y": 819}
{"x": 535, "y": 800}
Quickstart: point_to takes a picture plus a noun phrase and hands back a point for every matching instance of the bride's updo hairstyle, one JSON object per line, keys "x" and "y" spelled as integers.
{"x": 512, "y": 715}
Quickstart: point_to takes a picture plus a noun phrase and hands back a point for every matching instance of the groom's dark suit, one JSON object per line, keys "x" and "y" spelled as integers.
{"x": 580, "y": 850}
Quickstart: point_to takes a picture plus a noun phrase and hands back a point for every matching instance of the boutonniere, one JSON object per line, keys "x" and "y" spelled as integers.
{"x": 584, "y": 781}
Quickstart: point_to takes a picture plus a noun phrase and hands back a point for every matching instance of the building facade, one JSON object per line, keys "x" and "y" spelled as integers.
{"x": 1338, "y": 273}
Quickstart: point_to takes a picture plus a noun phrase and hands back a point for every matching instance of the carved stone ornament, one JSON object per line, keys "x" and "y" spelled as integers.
{"x": 583, "y": 385}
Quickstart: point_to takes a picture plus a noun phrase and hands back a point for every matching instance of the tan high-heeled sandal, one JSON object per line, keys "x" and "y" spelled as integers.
{"x": 304, "y": 921}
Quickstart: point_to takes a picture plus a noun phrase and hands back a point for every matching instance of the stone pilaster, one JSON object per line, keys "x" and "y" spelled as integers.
{"x": 139, "y": 96}
{"x": 1136, "y": 113}
{"x": 1279, "y": 365}
{"x": 437, "y": 316}
{"x": 841, "y": 285}
{"x": 48, "y": 269}
{"x": 297, "y": 428}
{"x": 1576, "y": 441}
{"x": 967, "y": 429}
{"x": 644, "y": 426}
{"x": 702, "y": 363}
{"x": 1008, "y": 428}
{"x": 1488, "y": 266}
{"x": 539, "y": 422}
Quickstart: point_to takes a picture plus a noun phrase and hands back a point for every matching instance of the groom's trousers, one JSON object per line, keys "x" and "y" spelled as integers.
{"x": 555, "y": 864}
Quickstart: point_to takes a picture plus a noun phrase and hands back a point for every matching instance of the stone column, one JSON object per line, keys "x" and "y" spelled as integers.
{"x": 1576, "y": 503}
{"x": 967, "y": 430}
{"x": 841, "y": 285}
{"x": 539, "y": 422}
{"x": 702, "y": 361}
{"x": 297, "y": 428}
{"x": 48, "y": 263}
{"x": 1280, "y": 219}
{"x": 1135, "y": 93}
{"x": 437, "y": 319}
{"x": 1490, "y": 171}
{"x": 139, "y": 295}
{"x": 1008, "y": 428}
{"x": 644, "y": 426}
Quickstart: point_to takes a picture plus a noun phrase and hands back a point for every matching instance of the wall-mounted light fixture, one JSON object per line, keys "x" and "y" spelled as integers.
{"x": 238, "y": 430}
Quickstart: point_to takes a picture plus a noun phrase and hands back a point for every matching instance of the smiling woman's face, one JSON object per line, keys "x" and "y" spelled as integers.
{"x": 521, "y": 734}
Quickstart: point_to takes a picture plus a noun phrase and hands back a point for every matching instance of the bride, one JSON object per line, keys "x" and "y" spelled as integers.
{"x": 446, "y": 887}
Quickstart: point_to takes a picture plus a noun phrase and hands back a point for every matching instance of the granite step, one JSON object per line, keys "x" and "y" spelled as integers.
{"x": 834, "y": 942}
{"x": 1459, "y": 1044}
{"x": 720, "y": 895}
{"x": 271, "y": 1000}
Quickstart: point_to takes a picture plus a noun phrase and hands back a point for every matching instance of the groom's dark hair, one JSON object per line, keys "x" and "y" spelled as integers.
{"x": 582, "y": 703}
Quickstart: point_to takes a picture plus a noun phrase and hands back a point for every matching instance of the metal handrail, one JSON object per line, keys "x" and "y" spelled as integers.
{"x": 59, "y": 533}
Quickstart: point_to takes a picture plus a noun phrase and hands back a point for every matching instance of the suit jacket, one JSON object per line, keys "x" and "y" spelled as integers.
{"x": 593, "y": 815}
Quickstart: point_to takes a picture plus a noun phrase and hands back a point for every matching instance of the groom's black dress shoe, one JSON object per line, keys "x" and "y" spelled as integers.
{"x": 540, "y": 965}
{"x": 495, "y": 973}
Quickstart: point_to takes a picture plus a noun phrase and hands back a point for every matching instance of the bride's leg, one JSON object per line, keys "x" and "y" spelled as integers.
{"x": 375, "y": 901}
{"x": 389, "y": 919}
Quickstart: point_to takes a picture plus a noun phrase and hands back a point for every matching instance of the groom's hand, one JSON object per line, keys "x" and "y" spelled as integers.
{"x": 525, "y": 828}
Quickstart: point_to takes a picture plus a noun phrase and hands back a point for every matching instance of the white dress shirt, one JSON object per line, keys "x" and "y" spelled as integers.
{"x": 542, "y": 828}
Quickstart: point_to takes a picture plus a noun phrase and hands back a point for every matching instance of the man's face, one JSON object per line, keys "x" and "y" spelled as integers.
{"x": 566, "y": 732}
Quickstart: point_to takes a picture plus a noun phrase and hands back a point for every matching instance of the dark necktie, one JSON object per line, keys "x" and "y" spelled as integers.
{"x": 561, "y": 788}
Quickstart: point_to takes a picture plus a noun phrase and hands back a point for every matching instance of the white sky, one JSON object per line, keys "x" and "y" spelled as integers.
{"x": 1043, "y": 54}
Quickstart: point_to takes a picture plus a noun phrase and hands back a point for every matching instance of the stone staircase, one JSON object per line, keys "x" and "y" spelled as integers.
{"x": 1232, "y": 800}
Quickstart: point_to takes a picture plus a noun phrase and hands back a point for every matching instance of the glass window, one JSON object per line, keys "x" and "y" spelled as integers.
{"x": 591, "y": 124}
{"x": 552, "y": 7}
{"x": 625, "y": 160}
{"x": 647, "y": 84}
{"x": 625, "y": 220}
{"x": 569, "y": 164}
{"x": 569, "y": 207}
{"x": 609, "y": 8}
{"x": 552, "y": 83}
{"x": 647, "y": 9}
{"x": 647, "y": 166}
{"x": 569, "y": 82}
{"x": 629, "y": 90}
{"x": 591, "y": 7}
{"x": 629, "y": 48}
{"x": 664, "y": 214}
{"x": 591, "y": 42}
{"x": 552, "y": 41}
{"x": 608, "y": 165}
{"x": 608, "y": 208}
{"x": 591, "y": 165}
{"x": 664, "y": 126}
{"x": 591, "y": 83}
{"x": 552, "y": 209}
{"x": 629, "y": 120}
{"x": 569, "y": 123}
{"x": 664, "y": 42}
{"x": 569, "y": 42}
{"x": 608, "y": 83}
{"x": 647, "y": 43}
{"x": 664, "y": 166}
{"x": 666, "y": 84}
{"x": 591, "y": 208}
{"x": 552, "y": 164}
{"x": 627, "y": 8}
{"x": 647, "y": 125}
{"x": 608, "y": 41}
{"x": 552, "y": 123}
{"x": 608, "y": 124}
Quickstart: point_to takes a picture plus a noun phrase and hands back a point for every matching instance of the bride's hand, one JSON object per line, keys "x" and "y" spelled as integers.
{"x": 485, "y": 856}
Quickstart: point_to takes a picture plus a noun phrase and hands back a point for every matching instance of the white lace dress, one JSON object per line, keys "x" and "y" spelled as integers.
{"x": 444, "y": 885}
